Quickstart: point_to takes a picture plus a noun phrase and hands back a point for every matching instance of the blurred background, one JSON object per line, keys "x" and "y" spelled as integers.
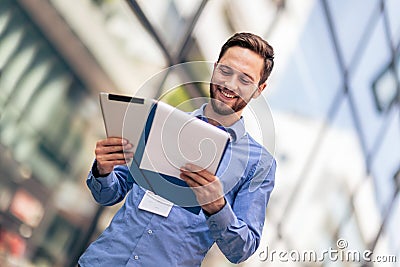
{"x": 334, "y": 95}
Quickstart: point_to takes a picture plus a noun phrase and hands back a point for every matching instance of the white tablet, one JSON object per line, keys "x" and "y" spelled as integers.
{"x": 164, "y": 139}
{"x": 176, "y": 138}
{"x": 124, "y": 116}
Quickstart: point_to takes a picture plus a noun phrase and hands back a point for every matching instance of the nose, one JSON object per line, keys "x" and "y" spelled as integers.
{"x": 232, "y": 83}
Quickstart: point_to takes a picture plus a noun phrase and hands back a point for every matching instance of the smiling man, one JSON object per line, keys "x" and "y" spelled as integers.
{"x": 233, "y": 201}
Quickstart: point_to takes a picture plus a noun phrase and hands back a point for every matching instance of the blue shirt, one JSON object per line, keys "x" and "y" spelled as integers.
{"x": 139, "y": 238}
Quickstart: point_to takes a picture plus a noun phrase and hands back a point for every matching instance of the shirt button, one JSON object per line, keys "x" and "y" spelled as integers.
{"x": 136, "y": 257}
{"x": 149, "y": 232}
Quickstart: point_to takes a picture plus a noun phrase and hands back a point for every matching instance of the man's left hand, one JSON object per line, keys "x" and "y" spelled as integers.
{"x": 206, "y": 186}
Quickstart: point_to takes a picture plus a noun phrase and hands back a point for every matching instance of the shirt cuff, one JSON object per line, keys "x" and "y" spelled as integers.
{"x": 221, "y": 220}
{"x": 106, "y": 181}
{"x": 100, "y": 181}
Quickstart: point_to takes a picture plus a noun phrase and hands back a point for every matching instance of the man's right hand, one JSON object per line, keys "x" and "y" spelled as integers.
{"x": 110, "y": 152}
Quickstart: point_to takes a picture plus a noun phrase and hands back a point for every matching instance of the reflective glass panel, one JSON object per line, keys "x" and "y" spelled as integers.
{"x": 312, "y": 77}
{"x": 350, "y": 20}
{"x": 392, "y": 7}
{"x": 369, "y": 68}
{"x": 386, "y": 161}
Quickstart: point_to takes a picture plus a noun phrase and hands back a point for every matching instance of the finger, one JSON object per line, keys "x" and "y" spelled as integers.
{"x": 127, "y": 147}
{"x": 128, "y": 155}
{"x": 117, "y": 162}
{"x": 112, "y": 141}
{"x": 201, "y": 171}
{"x": 108, "y": 166}
{"x": 193, "y": 168}
{"x": 192, "y": 183}
{"x": 195, "y": 177}
{"x": 112, "y": 149}
{"x": 107, "y": 149}
{"x": 115, "y": 156}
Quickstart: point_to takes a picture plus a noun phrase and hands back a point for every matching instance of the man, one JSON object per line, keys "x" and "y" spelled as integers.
{"x": 233, "y": 201}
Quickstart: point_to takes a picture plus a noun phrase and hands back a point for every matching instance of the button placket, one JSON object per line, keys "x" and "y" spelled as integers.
{"x": 140, "y": 253}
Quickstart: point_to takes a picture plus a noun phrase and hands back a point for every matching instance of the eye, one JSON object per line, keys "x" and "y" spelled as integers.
{"x": 224, "y": 70}
{"x": 245, "y": 80}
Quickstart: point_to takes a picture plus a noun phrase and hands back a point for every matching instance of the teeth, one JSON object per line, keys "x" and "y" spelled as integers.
{"x": 227, "y": 95}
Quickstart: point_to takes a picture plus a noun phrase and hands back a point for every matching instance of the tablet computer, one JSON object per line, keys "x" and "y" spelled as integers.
{"x": 124, "y": 116}
{"x": 164, "y": 138}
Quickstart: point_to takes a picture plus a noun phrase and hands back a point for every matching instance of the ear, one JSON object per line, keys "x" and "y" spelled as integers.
{"x": 259, "y": 90}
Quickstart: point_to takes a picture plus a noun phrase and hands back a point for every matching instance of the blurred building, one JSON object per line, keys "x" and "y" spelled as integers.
{"x": 334, "y": 93}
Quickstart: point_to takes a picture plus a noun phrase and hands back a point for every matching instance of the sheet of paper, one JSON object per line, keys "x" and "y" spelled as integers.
{"x": 177, "y": 138}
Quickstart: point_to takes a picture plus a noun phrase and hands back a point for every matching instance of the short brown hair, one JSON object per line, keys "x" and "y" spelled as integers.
{"x": 256, "y": 44}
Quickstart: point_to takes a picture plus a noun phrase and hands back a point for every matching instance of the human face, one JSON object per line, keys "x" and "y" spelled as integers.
{"x": 235, "y": 80}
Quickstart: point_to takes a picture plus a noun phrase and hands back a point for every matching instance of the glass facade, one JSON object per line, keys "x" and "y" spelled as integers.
{"x": 334, "y": 93}
{"x": 347, "y": 186}
{"x": 44, "y": 139}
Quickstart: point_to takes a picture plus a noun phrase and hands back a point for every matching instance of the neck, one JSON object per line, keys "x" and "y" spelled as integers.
{"x": 218, "y": 119}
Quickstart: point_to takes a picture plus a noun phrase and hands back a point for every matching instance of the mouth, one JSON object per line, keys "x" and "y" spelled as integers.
{"x": 227, "y": 94}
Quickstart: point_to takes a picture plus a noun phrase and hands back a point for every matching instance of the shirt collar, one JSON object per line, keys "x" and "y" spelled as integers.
{"x": 236, "y": 130}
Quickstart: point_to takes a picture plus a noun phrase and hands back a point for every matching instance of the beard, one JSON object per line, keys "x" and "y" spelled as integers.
{"x": 221, "y": 107}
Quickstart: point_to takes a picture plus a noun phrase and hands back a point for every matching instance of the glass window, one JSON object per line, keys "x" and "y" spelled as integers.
{"x": 255, "y": 16}
{"x": 385, "y": 89}
{"x": 398, "y": 70}
{"x": 209, "y": 41}
{"x": 386, "y": 161}
{"x": 295, "y": 138}
{"x": 366, "y": 210}
{"x": 21, "y": 67}
{"x": 5, "y": 16}
{"x": 346, "y": 150}
{"x": 60, "y": 237}
{"x": 45, "y": 108}
{"x": 43, "y": 128}
{"x": 9, "y": 43}
{"x": 385, "y": 248}
{"x": 137, "y": 44}
{"x": 187, "y": 9}
{"x": 392, "y": 226}
{"x": 312, "y": 77}
{"x": 46, "y": 102}
{"x": 391, "y": 8}
{"x": 351, "y": 234}
{"x": 170, "y": 19}
{"x": 27, "y": 208}
{"x": 16, "y": 64}
{"x": 5, "y": 196}
{"x": 64, "y": 132}
{"x": 369, "y": 68}
{"x": 335, "y": 172}
{"x": 72, "y": 144}
{"x": 325, "y": 196}
{"x": 350, "y": 20}
{"x": 30, "y": 81}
